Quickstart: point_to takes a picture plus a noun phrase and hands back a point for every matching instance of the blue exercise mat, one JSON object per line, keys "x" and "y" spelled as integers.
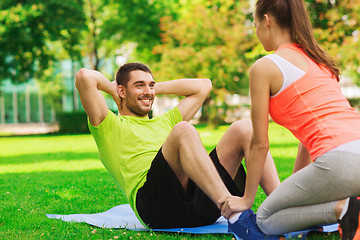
{"x": 122, "y": 216}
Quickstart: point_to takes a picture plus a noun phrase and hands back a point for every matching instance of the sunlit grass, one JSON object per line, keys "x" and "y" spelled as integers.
{"x": 14, "y": 146}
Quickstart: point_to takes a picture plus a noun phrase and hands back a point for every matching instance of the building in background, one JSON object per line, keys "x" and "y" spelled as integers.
{"x": 24, "y": 103}
{"x": 27, "y": 103}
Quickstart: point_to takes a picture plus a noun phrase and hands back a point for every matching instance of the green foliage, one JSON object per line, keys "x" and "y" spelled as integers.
{"x": 112, "y": 24}
{"x": 9, "y": 114}
{"x": 337, "y": 25}
{"x": 26, "y": 30}
{"x": 34, "y": 35}
{"x": 34, "y": 107}
{"x": 138, "y": 20}
{"x": 215, "y": 39}
{"x": 52, "y": 87}
{"x": 47, "y": 112}
{"x": 210, "y": 39}
{"x": 199, "y": 38}
{"x": 72, "y": 122}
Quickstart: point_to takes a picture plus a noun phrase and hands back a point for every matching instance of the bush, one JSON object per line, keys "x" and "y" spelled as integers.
{"x": 72, "y": 122}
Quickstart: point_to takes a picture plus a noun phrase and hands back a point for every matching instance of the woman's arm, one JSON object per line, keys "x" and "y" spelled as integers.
{"x": 302, "y": 159}
{"x": 261, "y": 75}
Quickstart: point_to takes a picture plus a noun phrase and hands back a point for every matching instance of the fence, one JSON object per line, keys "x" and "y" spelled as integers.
{"x": 24, "y": 104}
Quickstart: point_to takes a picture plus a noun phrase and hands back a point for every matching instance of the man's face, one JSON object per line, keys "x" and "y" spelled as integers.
{"x": 139, "y": 94}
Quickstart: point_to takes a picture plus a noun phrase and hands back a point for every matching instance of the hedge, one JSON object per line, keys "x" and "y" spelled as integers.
{"x": 72, "y": 122}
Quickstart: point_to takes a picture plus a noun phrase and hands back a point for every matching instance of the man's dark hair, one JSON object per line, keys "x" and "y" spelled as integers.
{"x": 122, "y": 75}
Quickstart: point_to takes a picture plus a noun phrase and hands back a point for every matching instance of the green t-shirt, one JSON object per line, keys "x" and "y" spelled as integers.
{"x": 128, "y": 144}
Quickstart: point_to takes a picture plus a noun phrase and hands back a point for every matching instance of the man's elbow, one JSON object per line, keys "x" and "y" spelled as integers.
{"x": 81, "y": 76}
{"x": 207, "y": 86}
{"x": 81, "y": 73}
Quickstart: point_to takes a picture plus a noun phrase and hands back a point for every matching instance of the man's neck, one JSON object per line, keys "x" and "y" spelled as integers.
{"x": 129, "y": 113}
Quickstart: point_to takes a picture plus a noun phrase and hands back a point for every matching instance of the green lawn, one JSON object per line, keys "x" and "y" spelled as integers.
{"x": 62, "y": 174}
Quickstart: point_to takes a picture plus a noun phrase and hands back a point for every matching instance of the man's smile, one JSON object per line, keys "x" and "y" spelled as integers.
{"x": 146, "y": 100}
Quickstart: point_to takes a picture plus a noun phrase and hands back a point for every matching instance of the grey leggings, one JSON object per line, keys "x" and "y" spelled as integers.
{"x": 308, "y": 197}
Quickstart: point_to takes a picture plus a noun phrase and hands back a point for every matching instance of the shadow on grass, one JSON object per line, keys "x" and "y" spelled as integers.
{"x": 55, "y": 134}
{"x": 283, "y": 145}
{"x": 45, "y": 157}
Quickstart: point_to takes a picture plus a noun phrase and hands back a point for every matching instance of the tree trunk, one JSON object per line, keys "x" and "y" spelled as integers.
{"x": 94, "y": 58}
{"x": 205, "y": 112}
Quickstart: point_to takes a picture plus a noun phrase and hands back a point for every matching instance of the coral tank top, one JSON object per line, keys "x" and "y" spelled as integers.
{"x": 314, "y": 109}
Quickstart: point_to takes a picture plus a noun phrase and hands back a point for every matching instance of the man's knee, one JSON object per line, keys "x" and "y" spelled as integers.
{"x": 242, "y": 128}
{"x": 184, "y": 130}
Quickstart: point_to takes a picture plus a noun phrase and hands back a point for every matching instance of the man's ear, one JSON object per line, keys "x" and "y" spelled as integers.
{"x": 121, "y": 91}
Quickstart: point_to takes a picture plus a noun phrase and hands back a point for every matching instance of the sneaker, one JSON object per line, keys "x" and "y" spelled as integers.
{"x": 247, "y": 229}
{"x": 349, "y": 227}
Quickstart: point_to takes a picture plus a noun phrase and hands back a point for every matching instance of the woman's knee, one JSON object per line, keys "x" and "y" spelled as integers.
{"x": 261, "y": 217}
{"x": 265, "y": 213}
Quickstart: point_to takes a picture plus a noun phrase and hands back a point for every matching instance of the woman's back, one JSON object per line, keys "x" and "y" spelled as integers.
{"x": 313, "y": 107}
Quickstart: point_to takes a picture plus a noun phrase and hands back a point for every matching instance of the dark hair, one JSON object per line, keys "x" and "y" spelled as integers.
{"x": 292, "y": 14}
{"x": 122, "y": 75}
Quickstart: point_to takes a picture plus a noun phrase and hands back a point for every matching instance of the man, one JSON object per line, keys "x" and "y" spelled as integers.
{"x": 160, "y": 164}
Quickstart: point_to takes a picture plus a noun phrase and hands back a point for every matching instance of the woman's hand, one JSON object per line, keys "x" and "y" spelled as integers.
{"x": 234, "y": 204}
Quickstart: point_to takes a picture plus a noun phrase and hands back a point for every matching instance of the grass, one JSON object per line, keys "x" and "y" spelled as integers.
{"x": 62, "y": 174}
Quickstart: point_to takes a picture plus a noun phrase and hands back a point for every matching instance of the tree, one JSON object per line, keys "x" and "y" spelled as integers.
{"x": 343, "y": 30}
{"x": 337, "y": 25}
{"x": 210, "y": 39}
{"x": 113, "y": 23}
{"x": 138, "y": 21}
{"x": 27, "y": 31}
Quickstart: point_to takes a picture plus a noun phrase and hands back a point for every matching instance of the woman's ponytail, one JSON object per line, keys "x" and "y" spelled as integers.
{"x": 292, "y": 14}
{"x": 302, "y": 34}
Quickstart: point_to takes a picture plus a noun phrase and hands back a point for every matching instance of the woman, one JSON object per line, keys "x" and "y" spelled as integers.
{"x": 298, "y": 86}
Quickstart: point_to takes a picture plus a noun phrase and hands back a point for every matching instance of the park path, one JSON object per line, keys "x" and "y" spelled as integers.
{"x": 27, "y": 129}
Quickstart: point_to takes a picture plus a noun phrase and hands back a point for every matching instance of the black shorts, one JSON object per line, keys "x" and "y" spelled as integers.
{"x": 163, "y": 203}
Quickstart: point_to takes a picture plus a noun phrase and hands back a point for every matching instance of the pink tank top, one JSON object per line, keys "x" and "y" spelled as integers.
{"x": 314, "y": 109}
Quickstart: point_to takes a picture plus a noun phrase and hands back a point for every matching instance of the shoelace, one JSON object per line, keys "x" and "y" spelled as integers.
{"x": 251, "y": 224}
{"x": 249, "y": 221}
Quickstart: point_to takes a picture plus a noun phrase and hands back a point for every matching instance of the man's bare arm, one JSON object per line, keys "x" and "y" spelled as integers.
{"x": 88, "y": 83}
{"x": 194, "y": 90}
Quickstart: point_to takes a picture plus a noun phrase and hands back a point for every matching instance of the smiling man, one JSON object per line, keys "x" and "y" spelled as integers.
{"x": 139, "y": 93}
{"x": 160, "y": 164}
